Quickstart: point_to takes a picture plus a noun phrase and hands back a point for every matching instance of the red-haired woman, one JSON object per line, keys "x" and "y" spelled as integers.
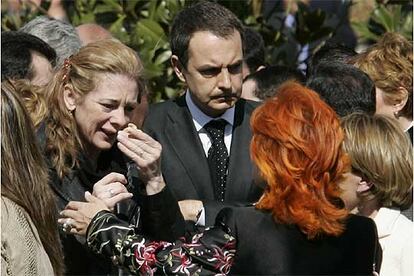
{"x": 299, "y": 226}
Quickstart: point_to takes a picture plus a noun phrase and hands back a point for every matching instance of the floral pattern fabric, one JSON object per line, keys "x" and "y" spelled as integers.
{"x": 208, "y": 253}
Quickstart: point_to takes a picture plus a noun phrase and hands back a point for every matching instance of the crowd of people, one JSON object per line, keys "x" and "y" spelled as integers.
{"x": 256, "y": 169}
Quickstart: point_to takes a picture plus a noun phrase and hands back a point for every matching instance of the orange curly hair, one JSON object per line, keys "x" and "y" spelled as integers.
{"x": 297, "y": 146}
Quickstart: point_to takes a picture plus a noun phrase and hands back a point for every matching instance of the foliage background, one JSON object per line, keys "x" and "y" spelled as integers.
{"x": 144, "y": 26}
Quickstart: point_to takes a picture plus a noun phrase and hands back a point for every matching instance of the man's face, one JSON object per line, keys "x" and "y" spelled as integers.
{"x": 41, "y": 68}
{"x": 214, "y": 71}
{"x": 381, "y": 106}
{"x": 248, "y": 90}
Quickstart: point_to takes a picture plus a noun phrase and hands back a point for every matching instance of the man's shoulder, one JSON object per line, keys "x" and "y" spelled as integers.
{"x": 247, "y": 105}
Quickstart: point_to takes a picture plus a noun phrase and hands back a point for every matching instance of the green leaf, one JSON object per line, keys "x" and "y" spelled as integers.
{"x": 383, "y": 16}
{"x": 116, "y": 7}
{"x": 117, "y": 28}
{"x": 104, "y": 8}
{"x": 364, "y": 32}
{"x": 163, "y": 57}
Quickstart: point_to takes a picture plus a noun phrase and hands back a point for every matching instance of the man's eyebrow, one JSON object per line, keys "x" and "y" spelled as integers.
{"x": 114, "y": 101}
{"x": 208, "y": 66}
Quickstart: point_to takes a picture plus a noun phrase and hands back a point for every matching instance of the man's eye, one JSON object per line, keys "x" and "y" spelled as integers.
{"x": 210, "y": 71}
{"x": 235, "y": 69}
{"x": 108, "y": 106}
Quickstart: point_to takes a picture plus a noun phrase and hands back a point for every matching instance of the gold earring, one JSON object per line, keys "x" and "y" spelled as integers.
{"x": 396, "y": 114}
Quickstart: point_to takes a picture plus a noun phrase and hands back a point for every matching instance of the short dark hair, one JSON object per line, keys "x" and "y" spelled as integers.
{"x": 344, "y": 87}
{"x": 201, "y": 16}
{"x": 16, "y": 56}
{"x": 253, "y": 49}
{"x": 270, "y": 78}
{"x": 329, "y": 52}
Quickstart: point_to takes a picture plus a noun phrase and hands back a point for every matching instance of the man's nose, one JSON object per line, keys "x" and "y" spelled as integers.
{"x": 225, "y": 79}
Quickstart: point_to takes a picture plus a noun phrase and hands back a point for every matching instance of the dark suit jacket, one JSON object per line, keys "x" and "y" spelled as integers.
{"x": 265, "y": 247}
{"x": 184, "y": 164}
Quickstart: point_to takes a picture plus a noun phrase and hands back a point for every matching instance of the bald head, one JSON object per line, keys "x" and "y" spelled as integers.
{"x": 92, "y": 32}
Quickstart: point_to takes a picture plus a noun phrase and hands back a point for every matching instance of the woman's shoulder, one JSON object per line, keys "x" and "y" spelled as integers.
{"x": 245, "y": 218}
{"x": 356, "y": 222}
{"x": 246, "y": 212}
{"x": 22, "y": 250}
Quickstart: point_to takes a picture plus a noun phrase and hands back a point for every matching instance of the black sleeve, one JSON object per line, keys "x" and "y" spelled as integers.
{"x": 206, "y": 253}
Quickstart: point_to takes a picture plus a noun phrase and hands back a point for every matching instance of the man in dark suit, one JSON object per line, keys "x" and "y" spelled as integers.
{"x": 207, "y": 55}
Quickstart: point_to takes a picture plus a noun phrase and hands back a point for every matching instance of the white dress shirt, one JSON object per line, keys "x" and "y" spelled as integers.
{"x": 395, "y": 233}
{"x": 200, "y": 119}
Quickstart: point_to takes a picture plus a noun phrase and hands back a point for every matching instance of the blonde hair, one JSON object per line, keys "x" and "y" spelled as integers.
{"x": 389, "y": 63}
{"x": 24, "y": 174}
{"x": 33, "y": 98}
{"x": 382, "y": 154}
{"x": 81, "y": 73}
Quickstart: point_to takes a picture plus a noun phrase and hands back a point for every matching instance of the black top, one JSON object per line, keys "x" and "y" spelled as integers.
{"x": 79, "y": 260}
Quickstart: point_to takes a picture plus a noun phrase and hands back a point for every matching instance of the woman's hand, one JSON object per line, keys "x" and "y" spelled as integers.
{"x": 146, "y": 153}
{"x": 111, "y": 189}
{"x": 77, "y": 215}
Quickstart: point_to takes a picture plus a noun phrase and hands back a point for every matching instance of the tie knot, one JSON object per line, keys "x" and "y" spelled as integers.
{"x": 215, "y": 127}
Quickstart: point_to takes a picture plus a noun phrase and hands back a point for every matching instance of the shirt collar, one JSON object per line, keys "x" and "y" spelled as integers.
{"x": 200, "y": 118}
{"x": 385, "y": 220}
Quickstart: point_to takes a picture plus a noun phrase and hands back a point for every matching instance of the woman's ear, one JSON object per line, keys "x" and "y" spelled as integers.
{"x": 70, "y": 97}
{"x": 364, "y": 186}
{"x": 402, "y": 101}
{"x": 178, "y": 67}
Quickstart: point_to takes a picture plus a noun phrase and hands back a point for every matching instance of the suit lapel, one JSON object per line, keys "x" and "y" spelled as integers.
{"x": 240, "y": 167}
{"x": 187, "y": 146}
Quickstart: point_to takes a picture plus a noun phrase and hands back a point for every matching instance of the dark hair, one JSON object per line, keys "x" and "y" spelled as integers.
{"x": 329, "y": 52}
{"x": 344, "y": 87}
{"x": 202, "y": 16}
{"x": 253, "y": 49}
{"x": 16, "y": 56}
{"x": 270, "y": 78}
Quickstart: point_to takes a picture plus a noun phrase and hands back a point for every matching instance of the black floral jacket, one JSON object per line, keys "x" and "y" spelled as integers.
{"x": 208, "y": 253}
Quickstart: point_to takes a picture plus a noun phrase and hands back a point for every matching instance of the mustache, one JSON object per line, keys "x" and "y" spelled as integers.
{"x": 226, "y": 96}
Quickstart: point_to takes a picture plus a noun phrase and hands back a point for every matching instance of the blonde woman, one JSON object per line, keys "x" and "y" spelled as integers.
{"x": 88, "y": 140}
{"x": 389, "y": 63}
{"x": 380, "y": 185}
{"x": 30, "y": 242}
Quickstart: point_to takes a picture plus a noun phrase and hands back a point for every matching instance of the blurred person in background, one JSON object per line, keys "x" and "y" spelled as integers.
{"x": 56, "y": 8}
{"x": 60, "y": 35}
{"x": 30, "y": 242}
{"x": 328, "y": 53}
{"x": 298, "y": 227}
{"x": 344, "y": 88}
{"x": 264, "y": 83}
{"x": 389, "y": 63}
{"x": 92, "y": 32}
{"x": 253, "y": 52}
{"x": 24, "y": 56}
{"x": 380, "y": 185}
